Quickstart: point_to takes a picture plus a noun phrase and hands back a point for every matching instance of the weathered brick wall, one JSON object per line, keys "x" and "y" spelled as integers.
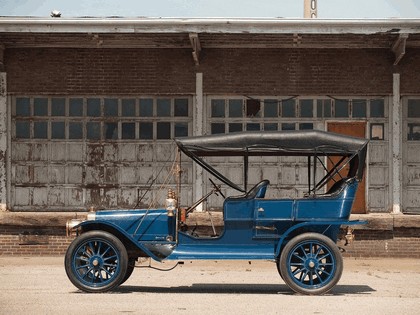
{"x": 409, "y": 68}
{"x": 230, "y": 71}
{"x": 298, "y": 71}
{"x": 56, "y": 246}
{"x": 99, "y": 71}
{"x": 400, "y": 242}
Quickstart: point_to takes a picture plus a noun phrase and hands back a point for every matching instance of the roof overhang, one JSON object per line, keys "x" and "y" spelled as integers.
{"x": 208, "y": 25}
{"x": 206, "y": 33}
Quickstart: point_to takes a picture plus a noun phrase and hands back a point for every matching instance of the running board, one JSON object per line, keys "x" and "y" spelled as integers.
{"x": 223, "y": 252}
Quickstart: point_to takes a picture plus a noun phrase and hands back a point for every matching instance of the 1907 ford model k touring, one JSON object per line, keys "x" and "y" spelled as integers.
{"x": 298, "y": 234}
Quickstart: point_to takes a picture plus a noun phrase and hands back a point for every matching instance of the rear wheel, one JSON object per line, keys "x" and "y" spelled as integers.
{"x": 130, "y": 268}
{"x": 96, "y": 261}
{"x": 311, "y": 264}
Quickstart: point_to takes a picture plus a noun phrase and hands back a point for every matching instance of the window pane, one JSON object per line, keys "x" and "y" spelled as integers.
{"x": 163, "y": 130}
{"x": 377, "y": 131}
{"x": 235, "y": 108}
{"x": 252, "y": 127}
{"x": 271, "y": 108}
{"x": 306, "y": 126}
{"x": 324, "y": 108}
{"x": 76, "y": 107}
{"x": 93, "y": 130}
{"x": 306, "y": 108}
{"x": 93, "y": 107}
{"x": 40, "y": 107}
{"x": 288, "y": 126}
{"x": 23, "y": 106}
{"x": 319, "y": 108}
{"x": 413, "y": 108}
{"x": 146, "y": 107}
{"x": 288, "y": 108}
{"x": 253, "y": 108}
{"x": 341, "y": 108}
{"x": 217, "y": 128}
{"x": 163, "y": 108}
{"x": 218, "y": 108}
{"x": 58, "y": 130}
{"x": 128, "y": 130}
{"x": 111, "y": 107}
{"x": 75, "y": 130}
{"x": 327, "y": 108}
{"x": 128, "y": 107}
{"x": 359, "y": 108}
{"x": 22, "y": 130}
{"x": 146, "y": 130}
{"x": 40, "y": 130}
{"x": 58, "y": 107}
{"x": 235, "y": 127}
{"x": 270, "y": 127}
{"x": 181, "y": 129}
{"x": 413, "y": 132}
{"x": 181, "y": 107}
{"x": 111, "y": 130}
{"x": 377, "y": 108}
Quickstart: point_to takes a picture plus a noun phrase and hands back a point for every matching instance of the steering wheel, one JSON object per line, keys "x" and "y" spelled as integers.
{"x": 217, "y": 188}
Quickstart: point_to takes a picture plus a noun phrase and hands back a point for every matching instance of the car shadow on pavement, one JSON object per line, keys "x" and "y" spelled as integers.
{"x": 232, "y": 288}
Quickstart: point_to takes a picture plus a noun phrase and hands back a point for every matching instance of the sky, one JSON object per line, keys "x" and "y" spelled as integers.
{"x": 212, "y": 8}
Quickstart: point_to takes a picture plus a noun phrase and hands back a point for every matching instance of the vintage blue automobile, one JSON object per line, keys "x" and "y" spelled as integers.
{"x": 298, "y": 234}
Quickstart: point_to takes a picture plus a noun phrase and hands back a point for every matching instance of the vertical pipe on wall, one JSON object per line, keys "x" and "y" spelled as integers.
{"x": 396, "y": 131}
{"x": 198, "y": 122}
{"x": 3, "y": 141}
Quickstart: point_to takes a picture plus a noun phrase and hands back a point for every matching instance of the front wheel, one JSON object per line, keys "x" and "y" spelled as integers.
{"x": 311, "y": 264}
{"x": 96, "y": 261}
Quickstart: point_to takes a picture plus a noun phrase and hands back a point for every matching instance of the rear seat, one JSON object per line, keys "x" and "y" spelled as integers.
{"x": 337, "y": 187}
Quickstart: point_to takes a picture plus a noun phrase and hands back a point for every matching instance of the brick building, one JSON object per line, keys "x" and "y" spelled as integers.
{"x": 88, "y": 108}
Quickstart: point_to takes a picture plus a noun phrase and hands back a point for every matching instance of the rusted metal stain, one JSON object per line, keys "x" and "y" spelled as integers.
{"x": 95, "y": 153}
{"x": 413, "y": 177}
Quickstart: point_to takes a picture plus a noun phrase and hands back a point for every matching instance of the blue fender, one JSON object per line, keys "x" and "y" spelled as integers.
{"x": 311, "y": 223}
{"x": 113, "y": 227}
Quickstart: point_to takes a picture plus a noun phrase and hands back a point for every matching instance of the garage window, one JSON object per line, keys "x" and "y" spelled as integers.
{"x": 249, "y": 113}
{"x": 101, "y": 118}
{"x": 413, "y": 117}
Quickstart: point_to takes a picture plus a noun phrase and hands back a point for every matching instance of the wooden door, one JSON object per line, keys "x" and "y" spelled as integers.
{"x": 355, "y": 129}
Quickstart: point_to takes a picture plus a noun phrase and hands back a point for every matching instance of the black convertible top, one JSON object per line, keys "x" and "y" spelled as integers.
{"x": 302, "y": 142}
{"x": 273, "y": 143}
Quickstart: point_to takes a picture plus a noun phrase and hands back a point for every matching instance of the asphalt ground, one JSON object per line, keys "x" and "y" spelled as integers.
{"x": 39, "y": 285}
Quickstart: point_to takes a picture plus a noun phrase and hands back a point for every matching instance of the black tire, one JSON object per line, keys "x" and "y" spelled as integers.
{"x": 130, "y": 269}
{"x": 96, "y": 262}
{"x": 278, "y": 267}
{"x": 311, "y": 263}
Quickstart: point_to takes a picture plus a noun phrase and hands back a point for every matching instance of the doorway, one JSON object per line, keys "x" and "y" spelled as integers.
{"x": 355, "y": 129}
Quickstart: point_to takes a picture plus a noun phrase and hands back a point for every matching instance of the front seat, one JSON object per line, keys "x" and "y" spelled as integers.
{"x": 258, "y": 191}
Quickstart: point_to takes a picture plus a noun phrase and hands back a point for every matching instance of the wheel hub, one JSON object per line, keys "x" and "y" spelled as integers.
{"x": 95, "y": 261}
{"x": 311, "y": 264}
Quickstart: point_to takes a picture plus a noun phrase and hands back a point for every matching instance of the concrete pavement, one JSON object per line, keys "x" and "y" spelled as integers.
{"x": 39, "y": 285}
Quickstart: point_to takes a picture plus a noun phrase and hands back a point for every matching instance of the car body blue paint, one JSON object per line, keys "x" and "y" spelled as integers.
{"x": 141, "y": 227}
{"x": 253, "y": 228}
